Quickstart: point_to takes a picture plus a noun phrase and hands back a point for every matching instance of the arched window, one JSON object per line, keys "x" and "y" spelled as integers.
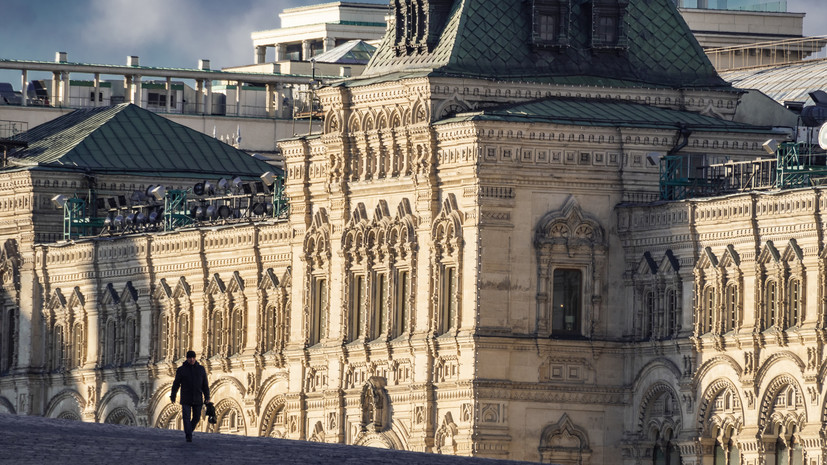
{"x": 770, "y": 295}
{"x": 794, "y": 295}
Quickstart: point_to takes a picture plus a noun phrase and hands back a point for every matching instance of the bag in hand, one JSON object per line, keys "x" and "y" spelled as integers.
{"x": 211, "y": 413}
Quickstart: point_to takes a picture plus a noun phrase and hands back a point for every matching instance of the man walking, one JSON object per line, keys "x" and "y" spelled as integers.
{"x": 191, "y": 377}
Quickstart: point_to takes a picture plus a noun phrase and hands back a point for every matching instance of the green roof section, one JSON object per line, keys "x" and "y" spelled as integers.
{"x": 127, "y": 139}
{"x": 612, "y": 113}
{"x": 493, "y": 39}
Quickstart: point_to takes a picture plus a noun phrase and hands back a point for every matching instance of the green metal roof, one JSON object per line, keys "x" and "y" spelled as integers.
{"x": 612, "y": 113}
{"x": 127, "y": 139}
{"x": 492, "y": 39}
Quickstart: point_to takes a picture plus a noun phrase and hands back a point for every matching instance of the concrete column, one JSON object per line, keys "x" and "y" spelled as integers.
{"x": 281, "y": 50}
{"x": 24, "y": 84}
{"x": 169, "y": 94}
{"x": 261, "y": 54}
{"x": 95, "y": 102}
{"x": 208, "y": 106}
{"x": 127, "y": 89}
{"x": 329, "y": 43}
{"x": 65, "y": 92}
{"x": 56, "y": 89}
{"x": 199, "y": 95}
{"x": 139, "y": 92}
{"x": 269, "y": 101}
{"x": 306, "y": 54}
{"x": 239, "y": 85}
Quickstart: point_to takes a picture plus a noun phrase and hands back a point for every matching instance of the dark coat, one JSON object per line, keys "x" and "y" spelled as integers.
{"x": 192, "y": 379}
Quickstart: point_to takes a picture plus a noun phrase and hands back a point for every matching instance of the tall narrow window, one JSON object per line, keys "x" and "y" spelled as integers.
{"x": 11, "y": 349}
{"x": 709, "y": 310}
{"x": 672, "y": 312}
{"x": 401, "y": 303}
{"x": 109, "y": 343}
{"x": 448, "y": 300}
{"x": 734, "y": 454}
{"x": 319, "y": 311}
{"x": 129, "y": 341}
{"x": 379, "y": 323}
{"x": 58, "y": 348}
{"x": 163, "y": 337}
{"x": 782, "y": 453}
{"x": 183, "y": 335}
{"x": 550, "y": 23}
{"x": 731, "y": 308}
{"x": 650, "y": 315}
{"x": 357, "y": 304}
{"x": 770, "y": 301}
{"x": 236, "y": 331}
{"x": 77, "y": 346}
{"x": 217, "y": 330}
{"x": 795, "y": 302}
{"x": 566, "y": 302}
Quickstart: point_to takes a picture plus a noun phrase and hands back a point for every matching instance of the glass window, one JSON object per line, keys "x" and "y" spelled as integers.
{"x": 731, "y": 303}
{"x": 547, "y": 27}
{"x": 357, "y": 304}
{"x": 379, "y": 323}
{"x": 795, "y": 302}
{"x": 772, "y": 310}
{"x": 319, "y": 311}
{"x": 566, "y": 302}
{"x": 401, "y": 304}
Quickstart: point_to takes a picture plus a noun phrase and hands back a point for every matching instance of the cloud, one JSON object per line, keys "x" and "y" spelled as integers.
{"x": 815, "y": 23}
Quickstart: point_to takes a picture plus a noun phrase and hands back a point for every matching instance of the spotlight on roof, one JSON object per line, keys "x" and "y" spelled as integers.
{"x": 158, "y": 192}
{"x": 224, "y": 211}
{"x": 269, "y": 178}
{"x": 237, "y": 183}
{"x": 771, "y": 146}
{"x": 198, "y": 189}
{"x": 59, "y": 200}
{"x": 209, "y": 188}
{"x": 223, "y": 184}
{"x": 259, "y": 208}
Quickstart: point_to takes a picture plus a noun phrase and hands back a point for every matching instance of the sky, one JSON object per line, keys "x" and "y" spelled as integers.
{"x": 174, "y": 33}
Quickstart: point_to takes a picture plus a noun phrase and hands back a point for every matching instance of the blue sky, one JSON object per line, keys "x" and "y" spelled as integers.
{"x": 173, "y": 33}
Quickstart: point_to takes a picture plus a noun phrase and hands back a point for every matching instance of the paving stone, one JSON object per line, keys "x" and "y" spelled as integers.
{"x": 36, "y": 440}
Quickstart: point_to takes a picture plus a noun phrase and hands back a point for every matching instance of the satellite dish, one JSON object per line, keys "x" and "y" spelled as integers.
{"x": 822, "y": 136}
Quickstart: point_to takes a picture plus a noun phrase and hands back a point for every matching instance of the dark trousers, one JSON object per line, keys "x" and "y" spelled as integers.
{"x": 192, "y": 414}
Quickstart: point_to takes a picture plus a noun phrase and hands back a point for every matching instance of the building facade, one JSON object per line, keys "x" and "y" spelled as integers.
{"x": 478, "y": 260}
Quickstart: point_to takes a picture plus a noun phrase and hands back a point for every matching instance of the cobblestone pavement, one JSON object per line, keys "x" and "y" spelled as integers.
{"x": 25, "y": 440}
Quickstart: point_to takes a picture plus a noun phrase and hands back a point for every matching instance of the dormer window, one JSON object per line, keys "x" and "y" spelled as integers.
{"x": 608, "y": 31}
{"x": 550, "y": 23}
{"x": 418, "y": 25}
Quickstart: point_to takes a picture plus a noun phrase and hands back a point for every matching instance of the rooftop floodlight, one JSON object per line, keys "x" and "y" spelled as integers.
{"x": 200, "y": 213}
{"x": 154, "y": 217}
{"x": 198, "y": 189}
{"x": 771, "y": 146}
{"x": 269, "y": 178}
{"x": 259, "y": 208}
{"x": 209, "y": 188}
{"x": 237, "y": 183}
{"x": 224, "y": 211}
{"x": 107, "y": 222}
{"x": 212, "y": 212}
{"x": 158, "y": 192}
{"x": 118, "y": 222}
{"x": 137, "y": 197}
{"x": 193, "y": 212}
{"x": 140, "y": 218}
{"x": 223, "y": 184}
{"x": 130, "y": 219}
{"x": 269, "y": 209}
{"x": 59, "y": 200}
{"x": 112, "y": 202}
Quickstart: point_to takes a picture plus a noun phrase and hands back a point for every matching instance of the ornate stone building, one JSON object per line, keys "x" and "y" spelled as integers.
{"x": 476, "y": 262}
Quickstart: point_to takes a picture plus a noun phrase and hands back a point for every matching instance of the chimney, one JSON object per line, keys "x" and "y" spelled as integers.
{"x": 61, "y": 57}
{"x": 344, "y": 71}
{"x": 132, "y": 61}
{"x": 204, "y": 65}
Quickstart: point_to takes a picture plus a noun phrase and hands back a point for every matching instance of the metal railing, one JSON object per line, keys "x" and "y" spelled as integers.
{"x": 772, "y": 53}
